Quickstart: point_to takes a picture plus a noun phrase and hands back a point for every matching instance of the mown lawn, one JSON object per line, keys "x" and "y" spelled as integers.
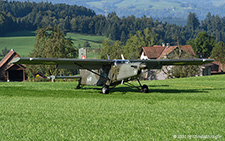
{"x": 178, "y": 108}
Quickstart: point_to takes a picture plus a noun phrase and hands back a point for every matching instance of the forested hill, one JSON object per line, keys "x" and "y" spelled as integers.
{"x": 153, "y": 8}
{"x": 17, "y": 16}
{"x": 22, "y": 9}
{"x": 28, "y": 16}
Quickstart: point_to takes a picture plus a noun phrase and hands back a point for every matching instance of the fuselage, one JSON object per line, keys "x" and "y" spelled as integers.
{"x": 119, "y": 71}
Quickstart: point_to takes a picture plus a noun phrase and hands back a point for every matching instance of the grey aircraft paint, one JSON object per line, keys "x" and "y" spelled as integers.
{"x": 107, "y": 73}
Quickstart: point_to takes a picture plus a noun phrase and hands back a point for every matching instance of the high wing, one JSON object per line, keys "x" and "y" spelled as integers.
{"x": 158, "y": 63}
{"x": 65, "y": 63}
{"x": 99, "y": 63}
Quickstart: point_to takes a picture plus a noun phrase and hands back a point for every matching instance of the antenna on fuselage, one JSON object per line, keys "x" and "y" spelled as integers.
{"x": 122, "y": 57}
{"x": 108, "y": 57}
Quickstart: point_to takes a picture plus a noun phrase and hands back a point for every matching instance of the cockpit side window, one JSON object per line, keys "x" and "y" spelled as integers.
{"x": 121, "y": 62}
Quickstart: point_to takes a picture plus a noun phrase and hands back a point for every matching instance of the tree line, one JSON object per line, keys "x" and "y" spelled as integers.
{"x": 51, "y": 43}
{"x": 16, "y": 16}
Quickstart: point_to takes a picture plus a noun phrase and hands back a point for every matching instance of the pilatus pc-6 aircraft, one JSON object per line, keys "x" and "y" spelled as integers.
{"x": 108, "y": 73}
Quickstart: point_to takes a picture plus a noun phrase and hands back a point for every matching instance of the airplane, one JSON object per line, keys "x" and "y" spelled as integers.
{"x": 109, "y": 73}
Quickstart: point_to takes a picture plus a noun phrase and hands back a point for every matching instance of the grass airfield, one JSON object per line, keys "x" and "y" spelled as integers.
{"x": 177, "y": 108}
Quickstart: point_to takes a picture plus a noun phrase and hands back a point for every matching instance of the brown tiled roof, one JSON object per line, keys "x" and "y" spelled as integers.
{"x": 153, "y": 52}
{"x": 188, "y": 49}
{"x": 158, "y": 51}
{"x": 185, "y": 48}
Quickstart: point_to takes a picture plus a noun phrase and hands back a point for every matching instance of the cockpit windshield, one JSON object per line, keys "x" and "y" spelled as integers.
{"x": 121, "y": 62}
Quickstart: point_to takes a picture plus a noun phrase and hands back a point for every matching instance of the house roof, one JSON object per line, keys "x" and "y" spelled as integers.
{"x": 4, "y": 63}
{"x": 168, "y": 50}
{"x": 10, "y": 54}
{"x": 153, "y": 52}
{"x": 157, "y": 52}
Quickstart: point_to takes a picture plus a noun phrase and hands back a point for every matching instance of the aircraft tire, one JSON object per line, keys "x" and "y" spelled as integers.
{"x": 144, "y": 88}
{"x": 78, "y": 87}
{"x": 105, "y": 89}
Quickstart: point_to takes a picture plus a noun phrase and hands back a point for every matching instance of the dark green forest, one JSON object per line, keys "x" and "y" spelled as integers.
{"x": 18, "y": 16}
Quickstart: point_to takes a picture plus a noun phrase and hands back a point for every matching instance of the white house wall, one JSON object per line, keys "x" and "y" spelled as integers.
{"x": 143, "y": 57}
{"x": 159, "y": 74}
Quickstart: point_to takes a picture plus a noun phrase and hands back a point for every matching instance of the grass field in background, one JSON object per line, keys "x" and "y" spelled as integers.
{"x": 94, "y": 41}
{"x": 146, "y": 4}
{"x": 190, "y": 107}
{"x": 143, "y": 4}
{"x": 23, "y": 42}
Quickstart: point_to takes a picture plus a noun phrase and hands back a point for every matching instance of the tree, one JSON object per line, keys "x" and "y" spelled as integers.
{"x": 5, "y": 51}
{"x": 51, "y": 43}
{"x": 86, "y": 44}
{"x": 6, "y": 23}
{"x": 79, "y": 46}
{"x": 203, "y": 44}
{"x": 139, "y": 40}
{"x": 207, "y": 23}
{"x": 192, "y": 26}
{"x": 114, "y": 50}
{"x": 123, "y": 37}
{"x": 105, "y": 49}
{"x": 192, "y": 22}
{"x": 181, "y": 71}
{"x": 218, "y": 53}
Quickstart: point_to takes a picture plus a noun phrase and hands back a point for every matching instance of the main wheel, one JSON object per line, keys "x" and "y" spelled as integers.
{"x": 144, "y": 89}
{"x": 105, "y": 89}
{"x": 78, "y": 86}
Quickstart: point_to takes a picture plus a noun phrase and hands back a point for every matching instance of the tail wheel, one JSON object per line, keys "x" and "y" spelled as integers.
{"x": 105, "y": 89}
{"x": 144, "y": 89}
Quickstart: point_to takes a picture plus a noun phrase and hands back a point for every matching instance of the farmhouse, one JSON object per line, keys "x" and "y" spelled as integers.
{"x": 164, "y": 52}
{"x": 11, "y": 72}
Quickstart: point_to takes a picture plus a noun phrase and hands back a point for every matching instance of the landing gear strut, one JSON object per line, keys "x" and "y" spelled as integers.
{"x": 143, "y": 88}
{"x": 105, "y": 89}
{"x": 79, "y": 83}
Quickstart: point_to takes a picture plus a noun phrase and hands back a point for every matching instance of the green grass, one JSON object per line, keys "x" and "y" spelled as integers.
{"x": 94, "y": 41}
{"x": 23, "y": 42}
{"x": 58, "y": 111}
